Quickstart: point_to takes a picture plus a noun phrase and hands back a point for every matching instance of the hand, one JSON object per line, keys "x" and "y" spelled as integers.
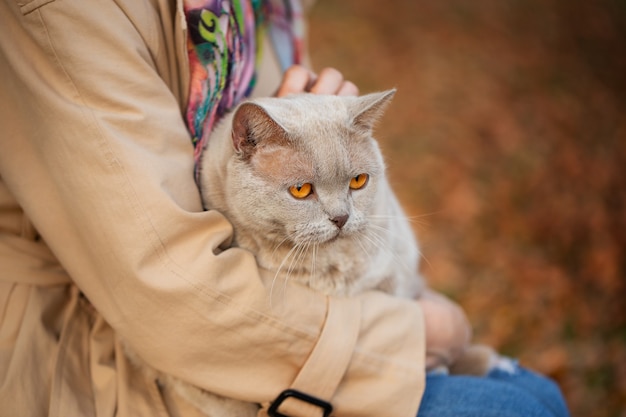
{"x": 298, "y": 79}
{"x": 447, "y": 329}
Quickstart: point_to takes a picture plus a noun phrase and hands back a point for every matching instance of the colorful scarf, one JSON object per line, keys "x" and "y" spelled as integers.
{"x": 224, "y": 47}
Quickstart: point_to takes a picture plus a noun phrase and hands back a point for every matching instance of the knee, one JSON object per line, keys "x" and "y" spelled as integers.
{"x": 463, "y": 396}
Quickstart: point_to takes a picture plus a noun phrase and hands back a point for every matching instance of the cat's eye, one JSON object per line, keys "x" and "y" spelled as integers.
{"x": 301, "y": 190}
{"x": 359, "y": 181}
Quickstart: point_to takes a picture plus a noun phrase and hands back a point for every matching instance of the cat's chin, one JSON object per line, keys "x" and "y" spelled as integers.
{"x": 337, "y": 236}
{"x": 324, "y": 242}
{"x": 320, "y": 239}
{"x": 333, "y": 239}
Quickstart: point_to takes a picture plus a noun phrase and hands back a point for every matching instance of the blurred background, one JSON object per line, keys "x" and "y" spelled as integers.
{"x": 506, "y": 143}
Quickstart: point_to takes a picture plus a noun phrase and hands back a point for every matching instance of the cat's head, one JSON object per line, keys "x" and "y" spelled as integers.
{"x": 306, "y": 168}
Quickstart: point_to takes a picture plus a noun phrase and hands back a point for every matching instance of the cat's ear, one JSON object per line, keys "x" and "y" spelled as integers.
{"x": 253, "y": 127}
{"x": 367, "y": 109}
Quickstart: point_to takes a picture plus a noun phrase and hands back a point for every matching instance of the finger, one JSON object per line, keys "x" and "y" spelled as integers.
{"x": 348, "y": 89}
{"x": 296, "y": 79}
{"x": 329, "y": 81}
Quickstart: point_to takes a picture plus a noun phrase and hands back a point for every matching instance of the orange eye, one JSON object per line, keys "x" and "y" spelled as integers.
{"x": 302, "y": 190}
{"x": 359, "y": 181}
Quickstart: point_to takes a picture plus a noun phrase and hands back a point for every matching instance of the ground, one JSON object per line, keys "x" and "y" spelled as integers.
{"x": 506, "y": 143}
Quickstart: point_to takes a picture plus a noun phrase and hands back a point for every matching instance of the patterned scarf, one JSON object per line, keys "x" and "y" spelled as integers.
{"x": 224, "y": 47}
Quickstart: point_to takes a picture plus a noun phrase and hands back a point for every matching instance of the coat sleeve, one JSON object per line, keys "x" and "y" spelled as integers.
{"x": 94, "y": 149}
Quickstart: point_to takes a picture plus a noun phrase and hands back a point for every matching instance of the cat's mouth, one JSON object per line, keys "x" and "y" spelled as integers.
{"x": 321, "y": 235}
{"x": 334, "y": 238}
{"x": 338, "y": 234}
{"x": 319, "y": 239}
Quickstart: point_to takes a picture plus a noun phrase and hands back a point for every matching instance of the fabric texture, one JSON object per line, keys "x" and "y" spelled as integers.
{"x": 505, "y": 392}
{"x": 224, "y": 46}
{"x": 103, "y": 240}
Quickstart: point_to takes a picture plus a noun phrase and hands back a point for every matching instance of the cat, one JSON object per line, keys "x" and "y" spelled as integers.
{"x": 303, "y": 182}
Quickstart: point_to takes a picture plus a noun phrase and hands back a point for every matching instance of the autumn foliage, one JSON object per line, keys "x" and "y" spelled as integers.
{"x": 506, "y": 143}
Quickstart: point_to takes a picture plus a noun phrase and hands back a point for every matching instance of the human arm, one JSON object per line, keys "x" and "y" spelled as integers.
{"x": 95, "y": 150}
{"x": 447, "y": 329}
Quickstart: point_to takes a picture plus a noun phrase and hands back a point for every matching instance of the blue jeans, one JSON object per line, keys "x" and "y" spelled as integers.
{"x": 506, "y": 391}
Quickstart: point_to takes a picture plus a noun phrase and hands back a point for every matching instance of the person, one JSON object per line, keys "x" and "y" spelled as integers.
{"x": 103, "y": 238}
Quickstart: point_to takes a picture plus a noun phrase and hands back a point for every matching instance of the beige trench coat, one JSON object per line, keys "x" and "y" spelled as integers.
{"x": 102, "y": 238}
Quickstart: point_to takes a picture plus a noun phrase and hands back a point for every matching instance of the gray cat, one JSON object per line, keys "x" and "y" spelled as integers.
{"x": 303, "y": 182}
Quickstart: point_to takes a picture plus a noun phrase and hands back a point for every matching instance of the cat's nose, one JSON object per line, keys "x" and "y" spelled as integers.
{"x": 340, "y": 220}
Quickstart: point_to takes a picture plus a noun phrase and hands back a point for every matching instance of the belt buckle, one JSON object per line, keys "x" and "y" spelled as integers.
{"x": 326, "y": 407}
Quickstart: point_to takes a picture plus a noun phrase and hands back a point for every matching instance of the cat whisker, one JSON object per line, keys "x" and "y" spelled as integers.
{"x": 376, "y": 227}
{"x": 298, "y": 259}
{"x": 373, "y": 242}
{"x": 281, "y": 243}
{"x": 425, "y": 258}
{"x": 379, "y": 242}
{"x": 421, "y": 255}
{"x": 358, "y": 241}
{"x": 405, "y": 216}
{"x": 279, "y": 269}
{"x": 313, "y": 261}
{"x": 418, "y": 219}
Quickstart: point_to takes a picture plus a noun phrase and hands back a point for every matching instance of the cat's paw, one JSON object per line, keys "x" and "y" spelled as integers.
{"x": 476, "y": 360}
